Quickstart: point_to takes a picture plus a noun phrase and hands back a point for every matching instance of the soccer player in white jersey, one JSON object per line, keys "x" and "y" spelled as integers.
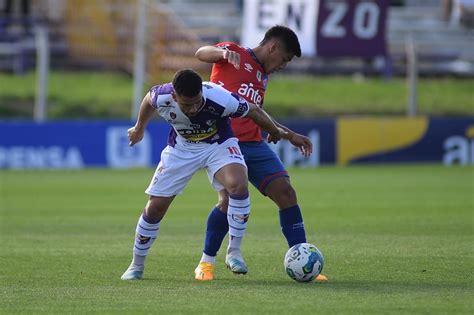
{"x": 201, "y": 137}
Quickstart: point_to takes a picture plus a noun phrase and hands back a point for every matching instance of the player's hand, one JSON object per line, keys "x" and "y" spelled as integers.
{"x": 135, "y": 135}
{"x": 302, "y": 143}
{"x": 233, "y": 58}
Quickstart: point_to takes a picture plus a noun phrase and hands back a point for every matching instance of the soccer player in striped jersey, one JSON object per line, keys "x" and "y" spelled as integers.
{"x": 201, "y": 137}
{"x": 245, "y": 71}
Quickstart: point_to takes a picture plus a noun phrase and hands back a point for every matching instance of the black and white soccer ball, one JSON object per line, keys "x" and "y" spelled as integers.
{"x": 303, "y": 262}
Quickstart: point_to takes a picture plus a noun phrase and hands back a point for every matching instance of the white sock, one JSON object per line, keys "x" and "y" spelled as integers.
{"x": 208, "y": 259}
{"x": 146, "y": 234}
{"x": 237, "y": 216}
{"x": 234, "y": 244}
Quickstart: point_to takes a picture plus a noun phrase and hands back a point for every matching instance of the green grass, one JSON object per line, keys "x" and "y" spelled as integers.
{"x": 318, "y": 96}
{"x": 396, "y": 239}
{"x": 108, "y": 95}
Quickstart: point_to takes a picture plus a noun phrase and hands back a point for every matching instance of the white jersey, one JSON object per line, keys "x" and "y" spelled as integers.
{"x": 211, "y": 124}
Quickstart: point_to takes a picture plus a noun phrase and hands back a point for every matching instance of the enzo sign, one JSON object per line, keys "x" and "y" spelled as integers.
{"x": 324, "y": 27}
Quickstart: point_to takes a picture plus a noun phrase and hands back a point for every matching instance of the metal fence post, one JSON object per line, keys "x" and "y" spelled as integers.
{"x": 139, "y": 59}
{"x": 412, "y": 77}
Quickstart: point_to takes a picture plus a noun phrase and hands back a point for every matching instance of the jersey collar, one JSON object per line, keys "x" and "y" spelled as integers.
{"x": 252, "y": 54}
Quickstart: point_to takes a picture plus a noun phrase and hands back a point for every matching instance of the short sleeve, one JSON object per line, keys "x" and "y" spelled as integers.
{"x": 158, "y": 90}
{"x": 227, "y": 46}
{"x": 237, "y": 106}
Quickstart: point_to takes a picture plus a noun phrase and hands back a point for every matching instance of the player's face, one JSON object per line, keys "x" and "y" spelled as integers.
{"x": 189, "y": 105}
{"x": 278, "y": 58}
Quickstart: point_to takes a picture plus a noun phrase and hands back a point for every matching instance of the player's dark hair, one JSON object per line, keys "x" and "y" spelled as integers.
{"x": 286, "y": 36}
{"x": 187, "y": 82}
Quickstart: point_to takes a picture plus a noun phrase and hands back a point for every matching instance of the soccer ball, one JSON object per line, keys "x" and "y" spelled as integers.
{"x": 303, "y": 262}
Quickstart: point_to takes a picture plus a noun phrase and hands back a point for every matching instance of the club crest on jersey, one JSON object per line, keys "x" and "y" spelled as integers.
{"x": 173, "y": 115}
{"x": 259, "y": 76}
{"x": 248, "y": 67}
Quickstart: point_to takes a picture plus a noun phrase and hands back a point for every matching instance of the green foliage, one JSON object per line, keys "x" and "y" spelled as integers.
{"x": 316, "y": 96}
{"x": 396, "y": 239}
{"x": 108, "y": 95}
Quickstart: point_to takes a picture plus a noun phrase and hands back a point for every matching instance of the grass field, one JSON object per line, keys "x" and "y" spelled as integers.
{"x": 396, "y": 239}
{"x": 109, "y": 95}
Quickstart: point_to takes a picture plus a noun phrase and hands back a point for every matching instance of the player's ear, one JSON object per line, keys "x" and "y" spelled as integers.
{"x": 173, "y": 94}
{"x": 273, "y": 46}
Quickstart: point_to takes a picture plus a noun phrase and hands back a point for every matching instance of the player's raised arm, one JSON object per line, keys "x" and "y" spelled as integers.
{"x": 213, "y": 54}
{"x": 135, "y": 134}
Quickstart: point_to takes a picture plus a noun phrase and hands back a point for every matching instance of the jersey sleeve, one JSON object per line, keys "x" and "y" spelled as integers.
{"x": 237, "y": 106}
{"x": 159, "y": 94}
{"x": 227, "y": 46}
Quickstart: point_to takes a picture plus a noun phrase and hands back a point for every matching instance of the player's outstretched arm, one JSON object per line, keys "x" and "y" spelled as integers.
{"x": 303, "y": 143}
{"x": 135, "y": 134}
{"x": 212, "y": 54}
{"x": 262, "y": 119}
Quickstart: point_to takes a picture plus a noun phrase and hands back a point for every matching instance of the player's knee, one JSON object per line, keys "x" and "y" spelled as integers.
{"x": 237, "y": 188}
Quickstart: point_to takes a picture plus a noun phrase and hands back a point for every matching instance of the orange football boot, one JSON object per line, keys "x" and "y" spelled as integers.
{"x": 204, "y": 271}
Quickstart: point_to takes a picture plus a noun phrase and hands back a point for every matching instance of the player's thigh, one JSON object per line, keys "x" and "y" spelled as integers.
{"x": 228, "y": 163}
{"x": 263, "y": 165}
{"x": 173, "y": 172}
{"x": 232, "y": 175}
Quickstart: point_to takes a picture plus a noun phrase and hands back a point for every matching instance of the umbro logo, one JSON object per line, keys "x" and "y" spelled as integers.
{"x": 248, "y": 67}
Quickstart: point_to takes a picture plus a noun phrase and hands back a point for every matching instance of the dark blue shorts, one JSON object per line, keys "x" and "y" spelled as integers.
{"x": 263, "y": 164}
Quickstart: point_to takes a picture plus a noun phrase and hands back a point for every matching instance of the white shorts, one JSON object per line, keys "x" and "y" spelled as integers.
{"x": 177, "y": 166}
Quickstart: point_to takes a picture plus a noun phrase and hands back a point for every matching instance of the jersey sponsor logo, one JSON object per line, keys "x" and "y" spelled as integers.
{"x": 249, "y": 92}
{"x": 248, "y": 67}
{"x": 197, "y": 134}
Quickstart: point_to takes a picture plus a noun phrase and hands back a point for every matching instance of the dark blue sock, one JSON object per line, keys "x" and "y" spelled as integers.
{"x": 217, "y": 228}
{"x": 292, "y": 225}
